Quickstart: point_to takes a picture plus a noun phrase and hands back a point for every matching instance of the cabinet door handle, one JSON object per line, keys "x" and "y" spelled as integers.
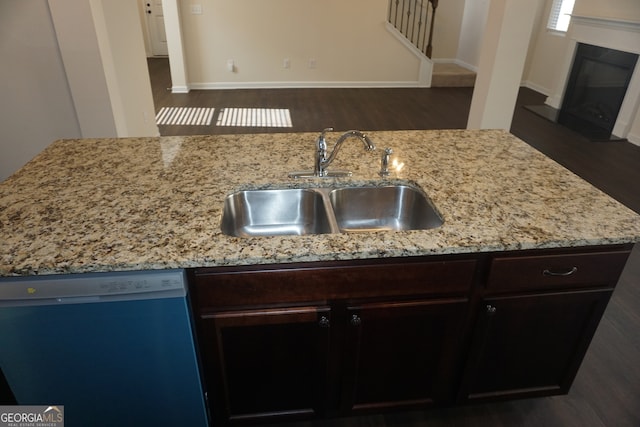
{"x": 567, "y": 272}
{"x": 355, "y": 320}
{"x": 491, "y": 310}
{"x": 324, "y": 322}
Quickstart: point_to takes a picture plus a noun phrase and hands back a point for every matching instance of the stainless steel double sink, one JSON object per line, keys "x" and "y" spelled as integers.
{"x": 298, "y": 211}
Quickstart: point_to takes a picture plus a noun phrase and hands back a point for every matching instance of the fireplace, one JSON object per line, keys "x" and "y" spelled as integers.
{"x": 597, "y": 85}
{"x": 614, "y": 35}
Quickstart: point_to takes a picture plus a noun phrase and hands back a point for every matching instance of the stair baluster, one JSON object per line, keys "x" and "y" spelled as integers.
{"x": 415, "y": 12}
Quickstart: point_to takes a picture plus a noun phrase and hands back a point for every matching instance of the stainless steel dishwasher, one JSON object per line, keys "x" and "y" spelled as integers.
{"x": 116, "y": 349}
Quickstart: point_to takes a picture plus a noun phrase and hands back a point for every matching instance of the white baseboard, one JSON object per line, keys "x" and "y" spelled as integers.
{"x": 463, "y": 64}
{"x": 301, "y": 85}
{"x": 180, "y": 89}
{"x": 540, "y": 89}
{"x": 457, "y": 62}
{"x": 554, "y": 101}
{"x": 634, "y": 139}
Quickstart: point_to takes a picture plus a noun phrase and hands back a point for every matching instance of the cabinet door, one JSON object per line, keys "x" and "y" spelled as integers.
{"x": 264, "y": 364}
{"x": 401, "y": 355}
{"x": 531, "y": 345}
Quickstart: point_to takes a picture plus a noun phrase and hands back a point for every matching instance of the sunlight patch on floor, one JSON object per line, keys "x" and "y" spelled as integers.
{"x": 184, "y": 116}
{"x": 255, "y": 117}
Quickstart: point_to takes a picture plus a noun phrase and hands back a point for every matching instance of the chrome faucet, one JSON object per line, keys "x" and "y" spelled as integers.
{"x": 322, "y": 161}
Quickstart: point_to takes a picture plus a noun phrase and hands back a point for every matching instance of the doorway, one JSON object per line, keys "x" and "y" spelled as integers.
{"x": 155, "y": 28}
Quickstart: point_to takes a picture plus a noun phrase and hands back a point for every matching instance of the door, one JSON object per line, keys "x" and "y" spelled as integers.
{"x": 531, "y": 345}
{"x": 264, "y": 364}
{"x": 401, "y": 354}
{"x": 155, "y": 24}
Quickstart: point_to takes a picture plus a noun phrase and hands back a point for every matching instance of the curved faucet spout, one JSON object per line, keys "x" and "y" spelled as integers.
{"x": 321, "y": 160}
{"x": 368, "y": 145}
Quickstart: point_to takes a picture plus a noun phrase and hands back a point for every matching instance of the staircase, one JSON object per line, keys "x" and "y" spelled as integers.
{"x": 452, "y": 75}
{"x": 413, "y": 21}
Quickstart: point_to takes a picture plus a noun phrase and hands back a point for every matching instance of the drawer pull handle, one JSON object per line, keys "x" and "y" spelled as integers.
{"x": 568, "y": 272}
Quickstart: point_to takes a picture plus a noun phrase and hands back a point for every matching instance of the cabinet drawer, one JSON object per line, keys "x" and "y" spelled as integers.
{"x": 556, "y": 271}
{"x": 297, "y": 283}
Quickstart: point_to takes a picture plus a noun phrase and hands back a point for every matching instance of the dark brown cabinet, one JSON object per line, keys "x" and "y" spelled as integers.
{"x": 315, "y": 340}
{"x": 325, "y": 339}
{"x": 276, "y": 362}
{"x": 532, "y": 345}
{"x": 267, "y": 362}
{"x": 401, "y": 354}
{"x": 535, "y": 321}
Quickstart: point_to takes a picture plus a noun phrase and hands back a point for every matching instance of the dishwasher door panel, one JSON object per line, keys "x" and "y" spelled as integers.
{"x": 125, "y": 363}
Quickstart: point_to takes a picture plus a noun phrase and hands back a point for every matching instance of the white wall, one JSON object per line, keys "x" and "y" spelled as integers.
{"x": 547, "y": 52}
{"x": 80, "y": 52}
{"x": 121, "y": 45}
{"x": 472, "y": 32}
{"x": 36, "y": 106}
{"x": 347, "y": 40}
{"x": 448, "y": 28}
{"x": 621, "y": 9}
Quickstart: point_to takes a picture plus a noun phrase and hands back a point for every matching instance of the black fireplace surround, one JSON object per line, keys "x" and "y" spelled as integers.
{"x": 595, "y": 90}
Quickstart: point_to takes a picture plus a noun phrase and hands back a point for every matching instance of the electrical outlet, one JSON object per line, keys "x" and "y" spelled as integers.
{"x": 312, "y": 63}
{"x": 196, "y": 9}
{"x": 231, "y": 65}
{"x": 286, "y": 63}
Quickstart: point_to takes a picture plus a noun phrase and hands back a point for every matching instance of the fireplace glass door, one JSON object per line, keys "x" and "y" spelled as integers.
{"x": 595, "y": 91}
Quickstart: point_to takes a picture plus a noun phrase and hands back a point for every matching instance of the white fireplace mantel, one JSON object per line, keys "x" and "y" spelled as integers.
{"x": 608, "y": 33}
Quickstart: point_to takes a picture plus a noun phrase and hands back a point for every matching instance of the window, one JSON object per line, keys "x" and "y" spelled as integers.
{"x": 560, "y": 15}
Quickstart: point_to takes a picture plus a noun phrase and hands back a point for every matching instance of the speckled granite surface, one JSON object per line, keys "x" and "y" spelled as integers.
{"x": 155, "y": 203}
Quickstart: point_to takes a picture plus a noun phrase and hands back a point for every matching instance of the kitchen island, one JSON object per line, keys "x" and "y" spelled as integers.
{"x": 156, "y": 203}
{"x": 500, "y": 301}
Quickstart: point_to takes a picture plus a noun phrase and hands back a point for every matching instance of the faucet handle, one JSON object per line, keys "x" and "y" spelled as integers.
{"x": 384, "y": 162}
{"x": 322, "y": 134}
{"x": 320, "y": 156}
{"x": 321, "y": 142}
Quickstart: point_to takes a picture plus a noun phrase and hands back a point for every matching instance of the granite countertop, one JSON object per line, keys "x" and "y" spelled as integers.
{"x": 155, "y": 203}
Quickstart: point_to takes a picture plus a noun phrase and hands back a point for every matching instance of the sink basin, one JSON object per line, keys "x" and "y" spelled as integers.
{"x": 275, "y": 212}
{"x": 327, "y": 210}
{"x": 392, "y": 208}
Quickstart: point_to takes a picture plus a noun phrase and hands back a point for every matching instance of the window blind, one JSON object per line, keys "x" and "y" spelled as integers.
{"x": 559, "y": 16}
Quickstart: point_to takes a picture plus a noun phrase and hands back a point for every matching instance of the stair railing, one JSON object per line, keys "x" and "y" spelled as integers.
{"x": 414, "y": 20}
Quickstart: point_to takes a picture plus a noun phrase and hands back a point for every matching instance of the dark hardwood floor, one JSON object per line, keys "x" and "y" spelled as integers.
{"x": 315, "y": 109}
{"x": 606, "y": 392}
